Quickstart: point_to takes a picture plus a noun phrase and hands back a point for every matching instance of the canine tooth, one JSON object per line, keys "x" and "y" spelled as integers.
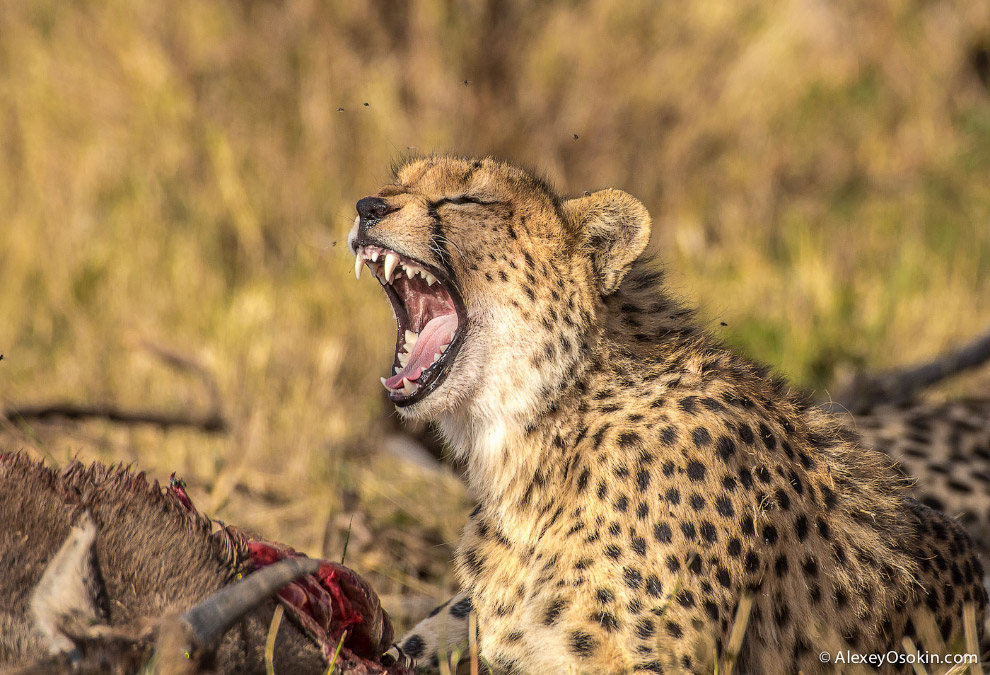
{"x": 391, "y": 260}
{"x": 411, "y": 338}
{"x": 358, "y": 264}
{"x": 430, "y": 279}
{"x": 408, "y": 388}
{"x": 385, "y": 385}
{"x": 395, "y": 371}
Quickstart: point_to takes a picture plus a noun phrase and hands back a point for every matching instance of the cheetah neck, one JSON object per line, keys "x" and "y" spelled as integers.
{"x": 497, "y": 434}
{"x": 514, "y": 459}
{"x": 525, "y": 424}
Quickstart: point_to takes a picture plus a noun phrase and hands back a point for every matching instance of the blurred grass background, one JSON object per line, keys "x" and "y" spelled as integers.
{"x": 184, "y": 174}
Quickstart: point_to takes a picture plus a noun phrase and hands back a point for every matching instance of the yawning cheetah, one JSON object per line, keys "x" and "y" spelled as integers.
{"x": 635, "y": 478}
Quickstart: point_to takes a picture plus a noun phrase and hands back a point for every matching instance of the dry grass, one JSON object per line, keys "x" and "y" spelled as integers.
{"x": 179, "y": 172}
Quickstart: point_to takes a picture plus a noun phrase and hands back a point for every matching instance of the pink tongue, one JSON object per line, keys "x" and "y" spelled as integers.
{"x": 437, "y": 333}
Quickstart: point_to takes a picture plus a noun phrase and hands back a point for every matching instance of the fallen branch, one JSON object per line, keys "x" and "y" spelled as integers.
{"x": 903, "y": 384}
{"x": 211, "y": 423}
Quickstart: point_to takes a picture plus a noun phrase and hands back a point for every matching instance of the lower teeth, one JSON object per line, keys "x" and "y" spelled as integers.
{"x": 408, "y": 388}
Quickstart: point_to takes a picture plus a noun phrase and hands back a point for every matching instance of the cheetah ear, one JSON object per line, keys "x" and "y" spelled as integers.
{"x": 614, "y": 228}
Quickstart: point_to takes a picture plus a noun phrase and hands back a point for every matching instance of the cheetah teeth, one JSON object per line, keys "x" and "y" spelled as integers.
{"x": 407, "y": 348}
{"x": 391, "y": 262}
{"x": 386, "y": 271}
{"x": 408, "y": 388}
{"x": 406, "y": 351}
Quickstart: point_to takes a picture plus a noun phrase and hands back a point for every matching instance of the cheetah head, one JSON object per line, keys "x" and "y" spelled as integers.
{"x": 494, "y": 279}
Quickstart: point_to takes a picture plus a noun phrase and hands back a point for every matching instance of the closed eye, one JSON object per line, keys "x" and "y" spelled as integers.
{"x": 462, "y": 199}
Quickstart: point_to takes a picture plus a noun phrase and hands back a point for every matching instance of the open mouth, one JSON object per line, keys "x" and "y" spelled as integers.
{"x": 430, "y": 320}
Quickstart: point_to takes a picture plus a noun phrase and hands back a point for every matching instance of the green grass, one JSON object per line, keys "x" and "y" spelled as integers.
{"x": 179, "y": 173}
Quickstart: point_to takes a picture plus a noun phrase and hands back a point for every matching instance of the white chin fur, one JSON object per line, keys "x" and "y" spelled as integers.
{"x": 460, "y": 387}
{"x": 450, "y": 396}
{"x": 485, "y": 395}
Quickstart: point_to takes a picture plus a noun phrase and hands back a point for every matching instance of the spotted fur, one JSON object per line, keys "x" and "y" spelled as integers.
{"x": 944, "y": 448}
{"x": 635, "y": 478}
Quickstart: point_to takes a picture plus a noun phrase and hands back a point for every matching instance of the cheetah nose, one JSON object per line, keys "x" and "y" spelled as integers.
{"x": 372, "y": 208}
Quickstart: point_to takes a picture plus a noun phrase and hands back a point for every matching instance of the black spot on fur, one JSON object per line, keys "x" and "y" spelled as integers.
{"x": 582, "y": 481}
{"x": 642, "y": 480}
{"x": 763, "y": 474}
{"x": 783, "y": 501}
{"x": 461, "y": 609}
{"x": 726, "y": 447}
{"x": 770, "y": 534}
{"x": 645, "y": 629}
{"x": 629, "y": 438}
{"x": 696, "y": 470}
{"x": 553, "y": 611}
{"x": 582, "y": 644}
{"x": 632, "y": 577}
{"x": 414, "y": 646}
{"x": 606, "y": 620}
{"x": 769, "y": 440}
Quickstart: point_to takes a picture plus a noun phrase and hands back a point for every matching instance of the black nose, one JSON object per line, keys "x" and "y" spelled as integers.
{"x": 372, "y": 208}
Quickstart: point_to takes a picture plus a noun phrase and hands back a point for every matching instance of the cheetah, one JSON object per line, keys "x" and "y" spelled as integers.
{"x": 944, "y": 448}
{"x": 635, "y": 479}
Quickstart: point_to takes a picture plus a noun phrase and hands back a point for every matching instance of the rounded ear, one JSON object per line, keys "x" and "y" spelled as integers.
{"x": 614, "y": 228}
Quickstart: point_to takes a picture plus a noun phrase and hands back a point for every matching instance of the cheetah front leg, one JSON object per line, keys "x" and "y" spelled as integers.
{"x": 442, "y": 634}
